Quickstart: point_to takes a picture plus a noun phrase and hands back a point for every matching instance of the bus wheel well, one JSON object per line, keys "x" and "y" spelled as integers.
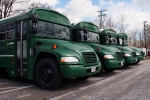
{"x": 101, "y": 59}
{"x": 42, "y": 55}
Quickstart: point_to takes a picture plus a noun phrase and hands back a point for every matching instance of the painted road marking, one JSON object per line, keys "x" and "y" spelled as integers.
{"x": 16, "y": 89}
{"x": 26, "y": 95}
{"x": 8, "y": 87}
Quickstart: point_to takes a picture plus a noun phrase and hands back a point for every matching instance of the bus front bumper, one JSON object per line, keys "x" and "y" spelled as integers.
{"x": 140, "y": 57}
{"x": 113, "y": 63}
{"x": 130, "y": 60}
{"x": 76, "y": 71}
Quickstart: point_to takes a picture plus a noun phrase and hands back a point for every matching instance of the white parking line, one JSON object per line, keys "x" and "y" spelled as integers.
{"x": 16, "y": 89}
{"x": 24, "y": 96}
{"x": 9, "y": 88}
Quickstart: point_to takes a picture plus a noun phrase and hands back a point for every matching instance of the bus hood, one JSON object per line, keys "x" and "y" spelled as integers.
{"x": 67, "y": 45}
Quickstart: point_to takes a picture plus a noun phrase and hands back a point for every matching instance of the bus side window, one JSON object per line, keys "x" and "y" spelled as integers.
{"x": 24, "y": 29}
{"x": 18, "y": 30}
{"x": 10, "y": 30}
{"x": 2, "y": 32}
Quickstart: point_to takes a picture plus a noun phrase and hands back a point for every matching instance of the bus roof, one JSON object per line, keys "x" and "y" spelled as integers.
{"x": 108, "y": 32}
{"x": 122, "y": 35}
{"x": 43, "y": 14}
{"x": 89, "y": 26}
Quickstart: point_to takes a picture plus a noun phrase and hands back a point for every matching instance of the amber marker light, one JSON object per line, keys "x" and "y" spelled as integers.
{"x": 12, "y": 63}
{"x": 98, "y": 48}
{"x": 62, "y": 61}
{"x": 54, "y": 46}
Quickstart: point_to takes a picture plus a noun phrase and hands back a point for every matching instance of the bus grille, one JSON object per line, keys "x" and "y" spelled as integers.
{"x": 134, "y": 54}
{"x": 89, "y": 57}
{"x": 119, "y": 55}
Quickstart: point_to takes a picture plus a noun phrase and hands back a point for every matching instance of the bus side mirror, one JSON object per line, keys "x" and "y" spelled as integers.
{"x": 85, "y": 30}
{"x": 109, "y": 40}
{"x": 34, "y": 28}
{"x": 34, "y": 18}
{"x": 122, "y": 42}
{"x": 85, "y": 36}
{"x": 106, "y": 38}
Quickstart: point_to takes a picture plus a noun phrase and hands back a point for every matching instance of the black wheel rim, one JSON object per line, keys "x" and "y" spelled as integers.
{"x": 46, "y": 74}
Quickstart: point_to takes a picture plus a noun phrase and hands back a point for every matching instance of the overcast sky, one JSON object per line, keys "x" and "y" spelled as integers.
{"x": 136, "y": 11}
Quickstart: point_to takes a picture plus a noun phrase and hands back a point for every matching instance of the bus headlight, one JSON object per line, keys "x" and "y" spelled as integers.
{"x": 127, "y": 55}
{"x": 108, "y": 57}
{"x": 137, "y": 54}
{"x": 69, "y": 59}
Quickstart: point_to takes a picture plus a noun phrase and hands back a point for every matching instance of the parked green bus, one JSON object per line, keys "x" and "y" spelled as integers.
{"x": 122, "y": 39}
{"x": 36, "y": 45}
{"x": 88, "y": 33}
{"x": 109, "y": 38}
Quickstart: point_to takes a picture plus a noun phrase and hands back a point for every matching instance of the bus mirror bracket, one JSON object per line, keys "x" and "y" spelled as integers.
{"x": 109, "y": 40}
{"x": 85, "y": 30}
{"x": 34, "y": 29}
{"x": 34, "y": 18}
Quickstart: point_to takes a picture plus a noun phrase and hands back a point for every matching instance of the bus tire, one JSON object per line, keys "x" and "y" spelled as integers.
{"x": 47, "y": 74}
{"x": 137, "y": 62}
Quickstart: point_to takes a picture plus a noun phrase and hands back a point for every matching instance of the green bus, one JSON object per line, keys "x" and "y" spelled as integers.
{"x": 109, "y": 38}
{"x": 122, "y": 39}
{"x": 36, "y": 45}
{"x": 88, "y": 33}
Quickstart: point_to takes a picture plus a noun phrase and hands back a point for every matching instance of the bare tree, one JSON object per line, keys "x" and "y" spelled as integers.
{"x": 122, "y": 24}
{"x": 43, "y": 5}
{"x": 110, "y": 23}
{"x": 6, "y": 7}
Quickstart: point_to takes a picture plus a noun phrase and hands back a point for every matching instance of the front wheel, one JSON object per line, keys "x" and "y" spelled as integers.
{"x": 137, "y": 62}
{"x": 48, "y": 74}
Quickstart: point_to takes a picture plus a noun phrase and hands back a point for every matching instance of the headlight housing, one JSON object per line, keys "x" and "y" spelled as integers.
{"x": 69, "y": 59}
{"x": 108, "y": 57}
{"x": 137, "y": 54}
{"x": 127, "y": 55}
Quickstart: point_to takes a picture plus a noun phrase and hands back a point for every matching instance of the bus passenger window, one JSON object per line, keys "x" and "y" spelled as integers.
{"x": 18, "y": 30}
{"x": 10, "y": 30}
{"x": 2, "y": 32}
{"x": 24, "y": 29}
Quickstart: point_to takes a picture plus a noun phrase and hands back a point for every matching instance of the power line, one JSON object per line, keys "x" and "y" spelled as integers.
{"x": 100, "y": 16}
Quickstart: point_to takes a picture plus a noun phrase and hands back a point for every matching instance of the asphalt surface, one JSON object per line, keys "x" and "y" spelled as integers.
{"x": 130, "y": 83}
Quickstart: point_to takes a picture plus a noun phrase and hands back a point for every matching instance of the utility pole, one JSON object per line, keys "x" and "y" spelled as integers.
{"x": 145, "y": 37}
{"x": 100, "y": 16}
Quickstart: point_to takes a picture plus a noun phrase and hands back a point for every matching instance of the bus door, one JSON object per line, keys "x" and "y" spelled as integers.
{"x": 21, "y": 47}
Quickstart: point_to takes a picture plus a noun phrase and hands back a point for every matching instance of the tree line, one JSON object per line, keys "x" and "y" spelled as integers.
{"x": 136, "y": 37}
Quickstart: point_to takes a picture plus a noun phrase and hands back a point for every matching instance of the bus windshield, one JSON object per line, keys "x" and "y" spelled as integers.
{"x": 89, "y": 36}
{"x": 52, "y": 30}
{"x": 123, "y": 41}
{"x": 111, "y": 40}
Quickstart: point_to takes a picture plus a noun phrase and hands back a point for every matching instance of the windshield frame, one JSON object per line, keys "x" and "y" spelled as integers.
{"x": 107, "y": 40}
{"x": 81, "y": 33}
{"x": 54, "y": 30}
{"x": 125, "y": 41}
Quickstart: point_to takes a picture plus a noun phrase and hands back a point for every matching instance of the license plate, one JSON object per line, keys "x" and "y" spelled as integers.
{"x": 136, "y": 59}
{"x": 121, "y": 62}
{"x": 93, "y": 69}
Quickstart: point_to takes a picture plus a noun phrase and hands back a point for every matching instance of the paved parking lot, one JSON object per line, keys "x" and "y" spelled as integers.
{"x": 131, "y": 83}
